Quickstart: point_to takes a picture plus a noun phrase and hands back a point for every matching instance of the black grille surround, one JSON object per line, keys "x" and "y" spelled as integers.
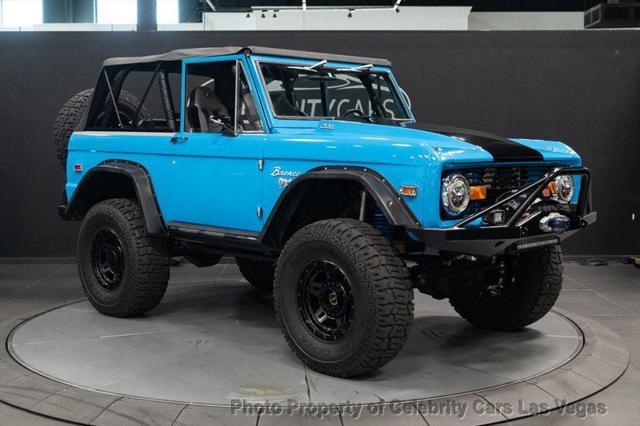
{"x": 498, "y": 180}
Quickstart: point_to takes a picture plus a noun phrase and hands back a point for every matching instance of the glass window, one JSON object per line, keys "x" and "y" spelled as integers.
{"x": 117, "y": 11}
{"x": 211, "y": 99}
{"x": 357, "y": 94}
{"x": 167, "y": 11}
{"x": 20, "y": 13}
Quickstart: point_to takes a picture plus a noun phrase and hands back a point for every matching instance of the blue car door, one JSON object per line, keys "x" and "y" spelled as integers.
{"x": 215, "y": 174}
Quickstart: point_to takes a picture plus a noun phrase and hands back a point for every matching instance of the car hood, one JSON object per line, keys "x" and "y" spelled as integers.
{"x": 452, "y": 144}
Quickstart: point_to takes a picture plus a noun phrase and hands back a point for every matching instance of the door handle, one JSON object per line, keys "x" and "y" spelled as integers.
{"x": 176, "y": 139}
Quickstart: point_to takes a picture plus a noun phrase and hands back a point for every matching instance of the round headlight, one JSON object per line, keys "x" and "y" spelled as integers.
{"x": 455, "y": 194}
{"x": 564, "y": 188}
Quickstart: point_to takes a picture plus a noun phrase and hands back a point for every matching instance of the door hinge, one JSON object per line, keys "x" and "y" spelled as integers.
{"x": 261, "y": 164}
{"x": 259, "y": 212}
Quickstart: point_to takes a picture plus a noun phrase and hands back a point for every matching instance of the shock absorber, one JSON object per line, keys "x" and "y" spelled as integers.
{"x": 381, "y": 224}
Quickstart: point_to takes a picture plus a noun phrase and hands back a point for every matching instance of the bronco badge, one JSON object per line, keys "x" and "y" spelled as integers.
{"x": 285, "y": 176}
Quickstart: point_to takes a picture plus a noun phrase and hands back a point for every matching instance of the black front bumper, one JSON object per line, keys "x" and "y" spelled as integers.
{"x": 520, "y": 232}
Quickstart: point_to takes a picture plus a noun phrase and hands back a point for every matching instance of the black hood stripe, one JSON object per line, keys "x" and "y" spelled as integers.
{"x": 502, "y": 149}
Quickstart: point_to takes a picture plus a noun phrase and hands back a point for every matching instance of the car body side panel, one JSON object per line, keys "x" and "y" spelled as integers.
{"x": 289, "y": 154}
{"x": 208, "y": 179}
{"x": 152, "y": 150}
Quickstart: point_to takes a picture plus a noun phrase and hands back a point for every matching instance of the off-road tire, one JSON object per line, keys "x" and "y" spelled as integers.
{"x": 260, "y": 274}
{"x": 72, "y": 111}
{"x": 537, "y": 285}
{"x": 146, "y": 260}
{"x": 382, "y": 297}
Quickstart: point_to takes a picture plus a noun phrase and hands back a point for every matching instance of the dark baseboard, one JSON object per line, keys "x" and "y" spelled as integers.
{"x": 229, "y": 260}
{"x": 63, "y": 260}
{"x": 40, "y": 260}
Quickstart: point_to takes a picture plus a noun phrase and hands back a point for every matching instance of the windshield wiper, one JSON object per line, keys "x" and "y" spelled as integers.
{"x": 311, "y": 68}
{"x": 357, "y": 68}
{"x": 376, "y": 119}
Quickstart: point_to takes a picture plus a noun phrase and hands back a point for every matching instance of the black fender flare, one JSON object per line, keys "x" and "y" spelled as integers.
{"x": 386, "y": 197}
{"x": 141, "y": 182}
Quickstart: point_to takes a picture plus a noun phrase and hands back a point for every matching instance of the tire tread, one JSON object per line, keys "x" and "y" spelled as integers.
{"x": 384, "y": 275}
{"x": 148, "y": 257}
{"x": 539, "y": 287}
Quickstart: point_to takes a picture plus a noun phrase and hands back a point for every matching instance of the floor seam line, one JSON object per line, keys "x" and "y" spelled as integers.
{"x": 577, "y": 282}
{"x": 33, "y": 284}
{"x": 50, "y": 395}
{"x": 491, "y": 404}
{"x": 179, "y": 413}
{"x": 222, "y": 272}
{"x": 586, "y": 378}
{"x": 105, "y": 409}
{"x": 419, "y": 413}
{"x": 545, "y": 391}
{"x": 306, "y": 381}
{"x": 460, "y": 366}
{"x": 624, "y": 276}
{"x": 45, "y": 398}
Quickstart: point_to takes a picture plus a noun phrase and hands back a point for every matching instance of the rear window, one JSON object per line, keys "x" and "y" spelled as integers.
{"x": 141, "y": 97}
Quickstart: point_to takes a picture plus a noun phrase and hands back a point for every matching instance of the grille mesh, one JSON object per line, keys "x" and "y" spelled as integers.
{"x": 498, "y": 180}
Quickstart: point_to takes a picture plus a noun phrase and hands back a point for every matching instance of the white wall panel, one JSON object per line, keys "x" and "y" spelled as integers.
{"x": 285, "y": 20}
{"x": 228, "y": 22}
{"x": 526, "y": 21}
{"x": 409, "y": 18}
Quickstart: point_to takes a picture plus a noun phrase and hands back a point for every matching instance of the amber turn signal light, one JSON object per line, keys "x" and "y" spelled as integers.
{"x": 478, "y": 193}
{"x": 409, "y": 191}
{"x": 550, "y": 190}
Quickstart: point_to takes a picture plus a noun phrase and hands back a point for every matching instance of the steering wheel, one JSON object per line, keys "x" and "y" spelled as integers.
{"x": 352, "y": 111}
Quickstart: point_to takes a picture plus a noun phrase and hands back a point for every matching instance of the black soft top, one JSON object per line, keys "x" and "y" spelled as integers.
{"x": 177, "y": 55}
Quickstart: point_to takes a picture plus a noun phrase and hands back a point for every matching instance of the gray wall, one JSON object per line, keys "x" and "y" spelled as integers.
{"x": 579, "y": 87}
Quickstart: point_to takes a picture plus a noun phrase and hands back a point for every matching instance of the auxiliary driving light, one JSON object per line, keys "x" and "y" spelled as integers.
{"x": 554, "y": 222}
{"x": 455, "y": 194}
{"x": 564, "y": 188}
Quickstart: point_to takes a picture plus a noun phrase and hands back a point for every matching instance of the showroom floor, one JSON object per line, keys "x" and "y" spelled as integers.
{"x": 607, "y": 294}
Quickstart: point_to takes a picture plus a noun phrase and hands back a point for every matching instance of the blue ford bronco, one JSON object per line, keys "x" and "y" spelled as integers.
{"x": 310, "y": 170}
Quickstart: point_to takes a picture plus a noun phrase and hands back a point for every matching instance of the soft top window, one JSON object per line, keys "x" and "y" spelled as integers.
{"x": 137, "y": 98}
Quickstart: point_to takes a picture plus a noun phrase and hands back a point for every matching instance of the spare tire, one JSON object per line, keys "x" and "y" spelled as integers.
{"x": 71, "y": 113}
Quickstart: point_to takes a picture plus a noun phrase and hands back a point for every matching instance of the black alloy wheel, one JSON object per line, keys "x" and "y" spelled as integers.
{"x": 107, "y": 259}
{"x": 124, "y": 271}
{"x": 325, "y": 300}
{"x": 343, "y": 297}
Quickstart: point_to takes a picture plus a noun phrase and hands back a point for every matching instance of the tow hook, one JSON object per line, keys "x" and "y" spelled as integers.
{"x": 555, "y": 222}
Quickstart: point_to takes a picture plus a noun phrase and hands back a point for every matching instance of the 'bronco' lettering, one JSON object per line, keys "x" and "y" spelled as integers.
{"x": 278, "y": 171}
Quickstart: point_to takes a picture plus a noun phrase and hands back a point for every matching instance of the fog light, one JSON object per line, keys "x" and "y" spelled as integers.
{"x": 495, "y": 217}
{"x": 554, "y": 222}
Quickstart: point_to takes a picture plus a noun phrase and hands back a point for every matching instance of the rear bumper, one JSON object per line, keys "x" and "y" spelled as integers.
{"x": 520, "y": 232}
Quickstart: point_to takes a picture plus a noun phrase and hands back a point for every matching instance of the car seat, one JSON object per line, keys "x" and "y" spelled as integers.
{"x": 202, "y": 105}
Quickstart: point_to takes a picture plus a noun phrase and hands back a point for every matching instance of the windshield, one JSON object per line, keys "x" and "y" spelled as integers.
{"x": 321, "y": 92}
